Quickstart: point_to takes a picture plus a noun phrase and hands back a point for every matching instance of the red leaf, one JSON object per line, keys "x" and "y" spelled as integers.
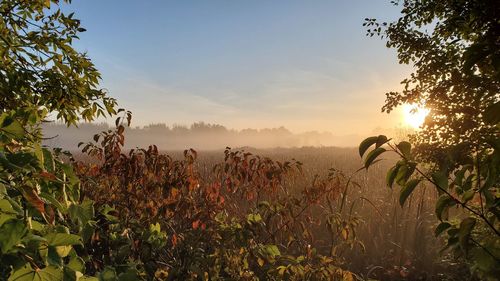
{"x": 34, "y": 200}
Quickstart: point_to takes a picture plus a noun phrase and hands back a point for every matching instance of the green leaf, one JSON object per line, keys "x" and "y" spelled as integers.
{"x": 50, "y": 198}
{"x": 83, "y": 212}
{"x": 440, "y": 179}
{"x": 468, "y": 195}
{"x": 71, "y": 275}
{"x": 373, "y": 155}
{"x": 53, "y": 258}
{"x": 48, "y": 160}
{"x": 108, "y": 274}
{"x": 70, "y": 174}
{"x": 381, "y": 140}
{"x": 441, "y": 227}
{"x": 6, "y": 211}
{"x": 63, "y": 239}
{"x": 272, "y": 250}
{"x": 254, "y": 218}
{"x": 442, "y": 204}
{"x": 405, "y": 172}
{"x": 76, "y": 263}
{"x": 12, "y": 127}
{"x": 391, "y": 175}
{"x": 405, "y": 148}
{"x": 464, "y": 234}
{"x": 407, "y": 190}
{"x": 27, "y": 273}
{"x": 129, "y": 275}
{"x": 365, "y": 144}
{"x": 11, "y": 233}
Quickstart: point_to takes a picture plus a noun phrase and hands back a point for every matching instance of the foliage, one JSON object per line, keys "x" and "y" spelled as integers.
{"x": 38, "y": 234}
{"x": 41, "y": 217}
{"x": 40, "y": 69}
{"x": 160, "y": 216}
{"x": 453, "y": 46}
{"x": 473, "y": 233}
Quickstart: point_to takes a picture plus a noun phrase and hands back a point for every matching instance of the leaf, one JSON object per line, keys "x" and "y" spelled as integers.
{"x": 27, "y": 273}
{"x": 407, "y": 190}
{"x": 63, "y": 239}
{"x": 405, "y": 148}
{"x": 468, "y": 195}
{"x": 108, "y": 274}
{"x": 12, "y": 127}
{"x": 440, "y": 179}
{"x": 381, "y": 140}
{"x": 48, "y": 160}
{"x": 50, "y": 199}
{"x": 254, "y": 218}
{"x": 6, "y": 211}
{"x": 365, "y": 144}
{"x": 70, "y": 275}
{"x": 464, "y": 233}
{"x": 391, "y": 175}
{"x": 76, "y": 263}
{"x": 373, "y": 155}
{"x": 272, "y": 250}
{"x": 130, "y": 275}
{"x": 281, "y": 269}
{"x": 441, "y": 227}
{"x": 442, "y": 204}
{"x": 82, "y": 212}
{"x": 53, "y": 257}
{"x": 11, "y": 233}
{"x": 32, "y": 197}
{"x": 70, "y": 174}
{"x": 405, "y": 172}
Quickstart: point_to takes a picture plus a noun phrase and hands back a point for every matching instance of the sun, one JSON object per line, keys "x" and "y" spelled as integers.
{"x": 414, "y": 115}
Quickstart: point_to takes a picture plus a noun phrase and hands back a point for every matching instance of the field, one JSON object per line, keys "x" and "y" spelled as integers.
{"x": 398, "y": 242}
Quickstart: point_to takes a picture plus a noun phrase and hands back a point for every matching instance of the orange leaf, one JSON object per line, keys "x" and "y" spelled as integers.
{"x": 174, "y": 240}
{"x": 196, "y": 224}
{"x": 47, "y": 175}
{"x": 33, "y": 198}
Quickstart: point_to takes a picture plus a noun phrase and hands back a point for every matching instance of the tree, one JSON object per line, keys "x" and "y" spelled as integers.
{"x": 43, "y": 222}
{"x": 39, "y": 68}
{"x": 454, "y": 47}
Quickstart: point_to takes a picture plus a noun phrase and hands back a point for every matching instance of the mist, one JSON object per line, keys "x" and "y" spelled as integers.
{"x": 200, "y": 136}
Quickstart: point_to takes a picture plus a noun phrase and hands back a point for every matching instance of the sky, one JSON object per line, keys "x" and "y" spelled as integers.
{"x": 305, "y": 65}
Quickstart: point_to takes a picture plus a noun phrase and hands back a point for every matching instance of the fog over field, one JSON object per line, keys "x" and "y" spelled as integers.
{"x": 201, "y": 136}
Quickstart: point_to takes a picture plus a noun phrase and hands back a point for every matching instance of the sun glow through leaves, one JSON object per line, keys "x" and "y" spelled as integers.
{"x": 414, "y": 115}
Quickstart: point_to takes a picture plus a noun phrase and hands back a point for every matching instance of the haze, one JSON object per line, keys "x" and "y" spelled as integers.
{"x": 304, "y": 65}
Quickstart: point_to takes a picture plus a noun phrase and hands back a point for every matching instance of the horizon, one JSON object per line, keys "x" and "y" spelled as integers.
{"x": 304, "y": 66}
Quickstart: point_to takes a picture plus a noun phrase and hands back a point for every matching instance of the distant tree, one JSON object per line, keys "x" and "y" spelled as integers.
{"x": 454, "y": 47}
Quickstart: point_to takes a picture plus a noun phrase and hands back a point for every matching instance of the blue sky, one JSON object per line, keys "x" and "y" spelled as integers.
{"x": 306, "y": 65}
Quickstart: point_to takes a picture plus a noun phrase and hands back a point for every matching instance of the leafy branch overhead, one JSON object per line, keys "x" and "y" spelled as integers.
{"x": 453, "y": 46}
{"x": 39, "y": 68}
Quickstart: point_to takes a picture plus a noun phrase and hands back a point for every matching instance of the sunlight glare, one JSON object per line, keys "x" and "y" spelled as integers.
{"x": 414, "y": 115}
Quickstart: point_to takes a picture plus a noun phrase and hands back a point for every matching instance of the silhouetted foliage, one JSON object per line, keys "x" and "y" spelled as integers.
{"x": 454, "y": 46}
